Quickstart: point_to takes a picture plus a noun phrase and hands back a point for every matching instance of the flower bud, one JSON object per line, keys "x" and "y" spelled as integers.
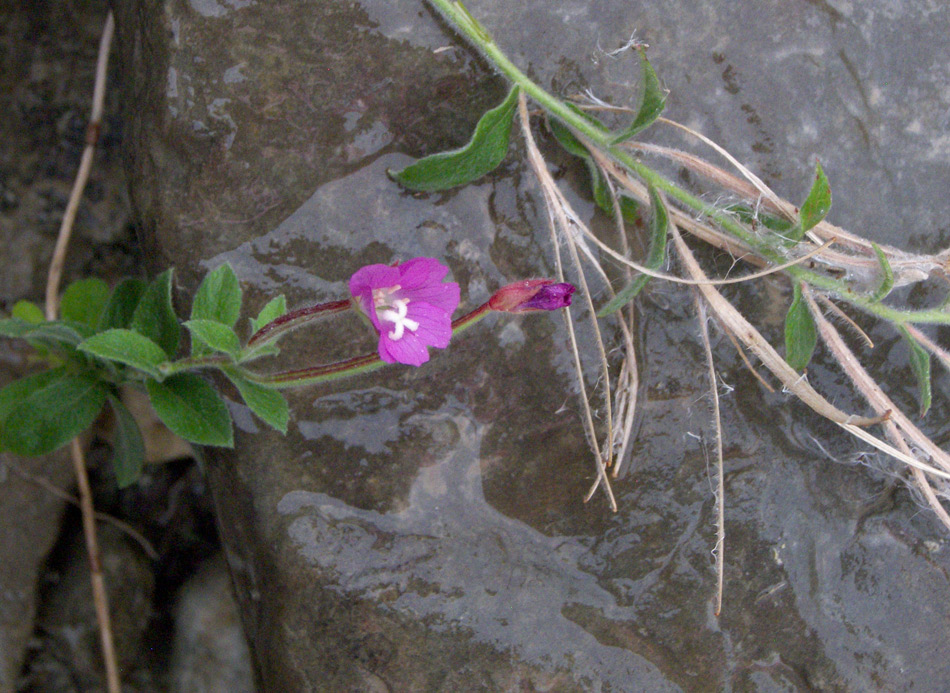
{"x": 531, "y": 294}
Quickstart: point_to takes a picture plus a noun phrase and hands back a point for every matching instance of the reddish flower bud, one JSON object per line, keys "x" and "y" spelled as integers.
{"x": 531, "y": 294}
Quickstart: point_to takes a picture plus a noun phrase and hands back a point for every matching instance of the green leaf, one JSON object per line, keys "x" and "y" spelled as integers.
{"x": 815, "y": 206}
{"x": 887, "y": 274}
{"x": 769, "y": 221}
{"x": 83, "y": 301}
{"x": 13, "y": 393}
{"x": 562, "y": 133}
{"x": 128, "y": 448}
{"x": 51, "y": 412}
{"x": 274, "y": 309}
{"x": 56, "y": 332}
{"x": 192, "y": 408}
{"x": 28, "y": 312}
{"x": 154, "y": 316}
{"x": 218, "y": 297}
{"x": 801, "y": 335}
{"x": 268, "y": 404}
{"x": 480, "y": 156}
{"x": 122, "y": 303}
{"x": 215, "y": 335}
{"x": 128, "y": 347}
{"x": 599, "y": 188}
{"x": 656, "y": 257}
{"x": 920, "y": 365}
{"x": 651, "y": 99}
{"x": 629, "y": 209}
{"x": 256, "y": 352}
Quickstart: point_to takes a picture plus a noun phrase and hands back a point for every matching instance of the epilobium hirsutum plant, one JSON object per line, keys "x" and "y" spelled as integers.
{"x": 826, "y": 266}
{"x": 131, "y": 335}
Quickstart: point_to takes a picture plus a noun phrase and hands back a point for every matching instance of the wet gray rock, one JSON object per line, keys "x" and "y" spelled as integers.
{"x": 30, "y": 516}
{"x": 210, "y": 652}
{"x": 47, "y": 63}
{"x": 423, "y": 529}
{"x": 70, "y": 656}
{"x": 48, "y": 53}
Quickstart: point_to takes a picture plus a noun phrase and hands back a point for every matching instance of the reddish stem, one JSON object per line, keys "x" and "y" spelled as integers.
{"x": 291, "y": 319}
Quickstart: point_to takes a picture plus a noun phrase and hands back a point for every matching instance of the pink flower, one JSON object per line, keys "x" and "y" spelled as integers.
{"x": 409, "y": 305}
{"x": 531, "y": 294}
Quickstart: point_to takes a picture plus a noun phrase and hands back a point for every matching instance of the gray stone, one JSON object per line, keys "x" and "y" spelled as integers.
{"x": 48, "y": 55}
{"x": 48, "y": 52}
{"x": 210, "y": 652}
{"x": 423, "y": 529}
{"x": 67, "y": 618}
{"x": 29, "y": 516}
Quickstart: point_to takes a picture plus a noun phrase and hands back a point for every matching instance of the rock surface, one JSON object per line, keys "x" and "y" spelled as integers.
{"x": 47, "y": 61}
{"x": 210, "y": 652}
{"x": 423, "y": 529}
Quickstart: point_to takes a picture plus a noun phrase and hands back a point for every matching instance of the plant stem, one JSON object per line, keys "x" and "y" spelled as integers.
{"x": 193, "y": 363}
{"x": 602, "y": 138}
{"x": 54, "y": 276}
{"x": 350, "y": 367}
{"x": 275, "y": 328}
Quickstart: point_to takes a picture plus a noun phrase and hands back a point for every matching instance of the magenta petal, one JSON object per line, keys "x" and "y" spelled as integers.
{"x": 409, "y": 350}
{"x": 435, "y": 325}
{"x": 409, "y": 300}
{"x": 445, "y": 297}
{"x": 421, "y": 272}
{"x": 373, "y": 277}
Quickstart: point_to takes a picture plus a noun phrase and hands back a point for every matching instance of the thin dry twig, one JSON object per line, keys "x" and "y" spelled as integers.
{"x": 558, "y": 220}
{"x": 898, "y": 428}
{"x": 907, "y": 267}
{"x": 868, "y": 387}
{"x": 849, "y": 321}
{"x": 100, "y": 596}
{"x": 123, "y": 527}
{"x": 720, "y": 549}
{"x": 628, "y": 381}
{"x": 734, "y": 322}
{"x": 640, "y": 192}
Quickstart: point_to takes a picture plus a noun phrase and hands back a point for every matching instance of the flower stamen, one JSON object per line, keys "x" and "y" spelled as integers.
{"x": 393, "y": 310}
{"x": 396, "y": 314}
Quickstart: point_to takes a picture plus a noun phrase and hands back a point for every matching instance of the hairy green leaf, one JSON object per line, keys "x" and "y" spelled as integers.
{"x": 656, "y": 256}
{"x": 651, "y": 100}
{"x": 219, "y": 297}
{"x": 128, "y": 448}
{"x": 28, "y": 312}
{"x": 748, "y": 216}
{"x": 815, "y": 206}
{"x": 122, "y": 303}
{"x": 83, "y": 301}
{"x": 154, "y": 315}
{"x": 215, "y": 336}
{"x": 56, "y": 333}
{"x": 801, "y": 335}
{"x": 887, "y": 274}
{"x": 920, "y": 365}
{"x": 599, "y": 189}
{"x": 274, "y": 309}
{"x": 256, "y": 352}
{"x": 268, "y": 404}
{"x": 192, "y": 408}
{"x": 51, "y": 411}
{"x": 127, "y": 347}
{"x": 13, "y": 393}
{"x": 483, "y": 153}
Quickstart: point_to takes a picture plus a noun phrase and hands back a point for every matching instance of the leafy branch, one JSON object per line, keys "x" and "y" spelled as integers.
{"x": 823, "y": 262}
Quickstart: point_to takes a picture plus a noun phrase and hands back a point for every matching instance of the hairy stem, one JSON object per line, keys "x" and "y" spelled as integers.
{"x": 595, "y": 135}
{"x": 350, "y": 367}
